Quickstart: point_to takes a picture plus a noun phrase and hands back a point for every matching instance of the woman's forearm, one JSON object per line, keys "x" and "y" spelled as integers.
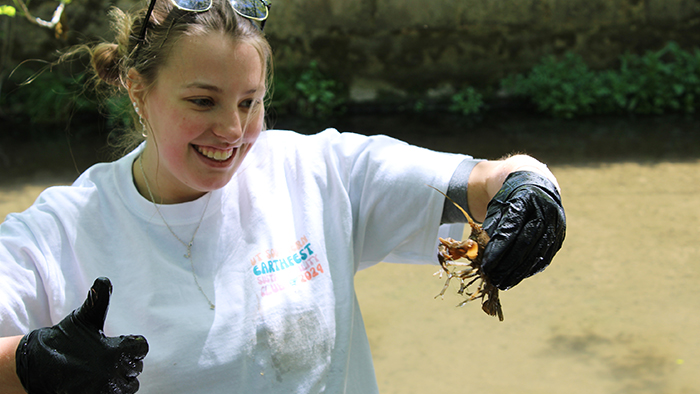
{"x": 487, "y": 178}
{"x": 8, "y": 375}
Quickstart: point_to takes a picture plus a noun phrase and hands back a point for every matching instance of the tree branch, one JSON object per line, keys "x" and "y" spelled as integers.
{"x": 38, "y": 21}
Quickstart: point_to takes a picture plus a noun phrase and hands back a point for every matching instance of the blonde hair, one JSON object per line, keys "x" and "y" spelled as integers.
{"x": 111, "y": 61}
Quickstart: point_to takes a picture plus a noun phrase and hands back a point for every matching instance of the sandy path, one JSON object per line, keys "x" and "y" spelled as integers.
{"x": 617, "y": 312}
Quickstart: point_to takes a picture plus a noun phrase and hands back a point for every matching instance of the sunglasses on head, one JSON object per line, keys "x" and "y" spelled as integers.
{"x": 254, "y": 10}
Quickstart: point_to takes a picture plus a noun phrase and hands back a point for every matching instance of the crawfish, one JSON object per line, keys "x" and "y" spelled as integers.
{"x": 468, "y": 272}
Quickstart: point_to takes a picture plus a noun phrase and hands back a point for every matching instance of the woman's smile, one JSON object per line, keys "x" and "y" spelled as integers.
{"x": 217, "y": 155}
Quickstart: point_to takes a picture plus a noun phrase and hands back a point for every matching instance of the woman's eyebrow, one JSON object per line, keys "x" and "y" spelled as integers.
{"x": 214, "y": 88}
{"x": 202, "y": 85}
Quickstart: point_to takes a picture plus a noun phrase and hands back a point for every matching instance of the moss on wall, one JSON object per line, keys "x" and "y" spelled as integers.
{"x": 399, "y": 48}
{"x": 412, "y": 47}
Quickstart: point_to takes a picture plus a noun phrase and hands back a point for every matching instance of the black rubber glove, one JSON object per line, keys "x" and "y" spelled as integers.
{"x": 527, "y": 225}
{"x": 75, "y": 356}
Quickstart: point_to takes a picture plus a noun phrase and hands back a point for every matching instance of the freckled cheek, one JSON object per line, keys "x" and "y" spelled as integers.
{"x": 175, "y": 147}
{"x": 169, "y": 126}
{"x": 192, "y": 129}
{"x": 184, "y": 129}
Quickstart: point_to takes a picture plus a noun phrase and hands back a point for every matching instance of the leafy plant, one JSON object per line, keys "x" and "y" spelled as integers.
{"x": 318, "y": 96}
{"x": 308, "y": 93}
{"x": 48, "y": 97}
{"x": 667, "y": 80}
{"x": 467, "y": 101}
{"x": 655, "y": 83}
{"x": 562, "y": 88}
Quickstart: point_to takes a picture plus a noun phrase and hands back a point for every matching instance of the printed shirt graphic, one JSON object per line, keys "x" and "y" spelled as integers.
{"x": 277, "y": 271}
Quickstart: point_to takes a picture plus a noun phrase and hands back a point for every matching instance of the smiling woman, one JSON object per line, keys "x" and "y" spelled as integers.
{"x": 204, "y": 113}
{"x": 146, "y": 55}
{"x": 233, "y": 249}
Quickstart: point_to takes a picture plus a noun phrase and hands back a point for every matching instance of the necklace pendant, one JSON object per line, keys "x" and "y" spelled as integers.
{"x": 189, "y": 251}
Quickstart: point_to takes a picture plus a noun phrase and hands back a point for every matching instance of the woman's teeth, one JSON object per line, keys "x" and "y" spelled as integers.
{"x": 218, "y": 155}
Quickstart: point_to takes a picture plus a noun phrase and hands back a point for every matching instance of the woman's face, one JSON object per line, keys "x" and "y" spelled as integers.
{"x": 205, "y": 112}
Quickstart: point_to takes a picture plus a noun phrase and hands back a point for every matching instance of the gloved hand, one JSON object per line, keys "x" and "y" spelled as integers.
{"x": 527, "y": 225}
{"x": 75, "y": 356}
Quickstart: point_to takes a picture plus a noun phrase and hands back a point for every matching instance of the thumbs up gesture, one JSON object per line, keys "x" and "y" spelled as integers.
{"x": 75, "y": 356}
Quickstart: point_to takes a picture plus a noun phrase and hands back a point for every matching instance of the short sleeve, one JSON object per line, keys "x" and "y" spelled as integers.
{"x": 23, "y": 300}
{"x": 396, "y": 213}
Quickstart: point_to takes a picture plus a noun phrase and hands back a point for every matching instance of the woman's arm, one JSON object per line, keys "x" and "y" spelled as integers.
{"x": 487, "y": 178}
{"x": 8, "y": 375}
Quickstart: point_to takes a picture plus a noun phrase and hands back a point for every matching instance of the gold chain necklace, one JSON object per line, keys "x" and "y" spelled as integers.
{"x": 187, "y": 255}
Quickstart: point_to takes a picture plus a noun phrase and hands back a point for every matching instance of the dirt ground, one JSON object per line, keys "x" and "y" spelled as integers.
{"x": 616, "y": 312}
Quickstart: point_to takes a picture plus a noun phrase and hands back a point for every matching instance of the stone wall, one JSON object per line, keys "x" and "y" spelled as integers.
{"x": 383, "y": 48}
{"x": 433, "y": 47}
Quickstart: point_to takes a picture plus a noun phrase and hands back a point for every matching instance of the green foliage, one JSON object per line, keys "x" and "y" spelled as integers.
{"x": 308, "y": 93}
{"x": 562, "y": 88}
{"x": 655, "y": 83}
{"x": 8, "y": 10}
{"x": 119, "y": 112}
{"x": 45, "y": 97}
{"x": 420, "y": 106}
{"x": 318, "y": 96}
{"x": 467, "y": 101}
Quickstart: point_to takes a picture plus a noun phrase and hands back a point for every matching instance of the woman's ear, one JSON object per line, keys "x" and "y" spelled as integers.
{"x": 136, "y": 87}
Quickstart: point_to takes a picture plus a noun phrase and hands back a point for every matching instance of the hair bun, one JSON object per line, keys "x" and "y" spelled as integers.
{"x": 106, "y": 62}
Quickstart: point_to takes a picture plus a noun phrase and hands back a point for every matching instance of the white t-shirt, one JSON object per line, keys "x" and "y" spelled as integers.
{"x": 276, "y": 252}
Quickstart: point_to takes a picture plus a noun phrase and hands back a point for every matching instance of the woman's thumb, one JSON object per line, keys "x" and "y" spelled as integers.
{"x": 94, "y": 310}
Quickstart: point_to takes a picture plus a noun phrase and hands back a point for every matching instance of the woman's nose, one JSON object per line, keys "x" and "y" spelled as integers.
{"x": 230, "y": 127}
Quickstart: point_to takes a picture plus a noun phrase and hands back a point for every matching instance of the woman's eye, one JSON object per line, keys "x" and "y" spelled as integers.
{"x": 202, "y": 102}
{"x": 248, "y": 103}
